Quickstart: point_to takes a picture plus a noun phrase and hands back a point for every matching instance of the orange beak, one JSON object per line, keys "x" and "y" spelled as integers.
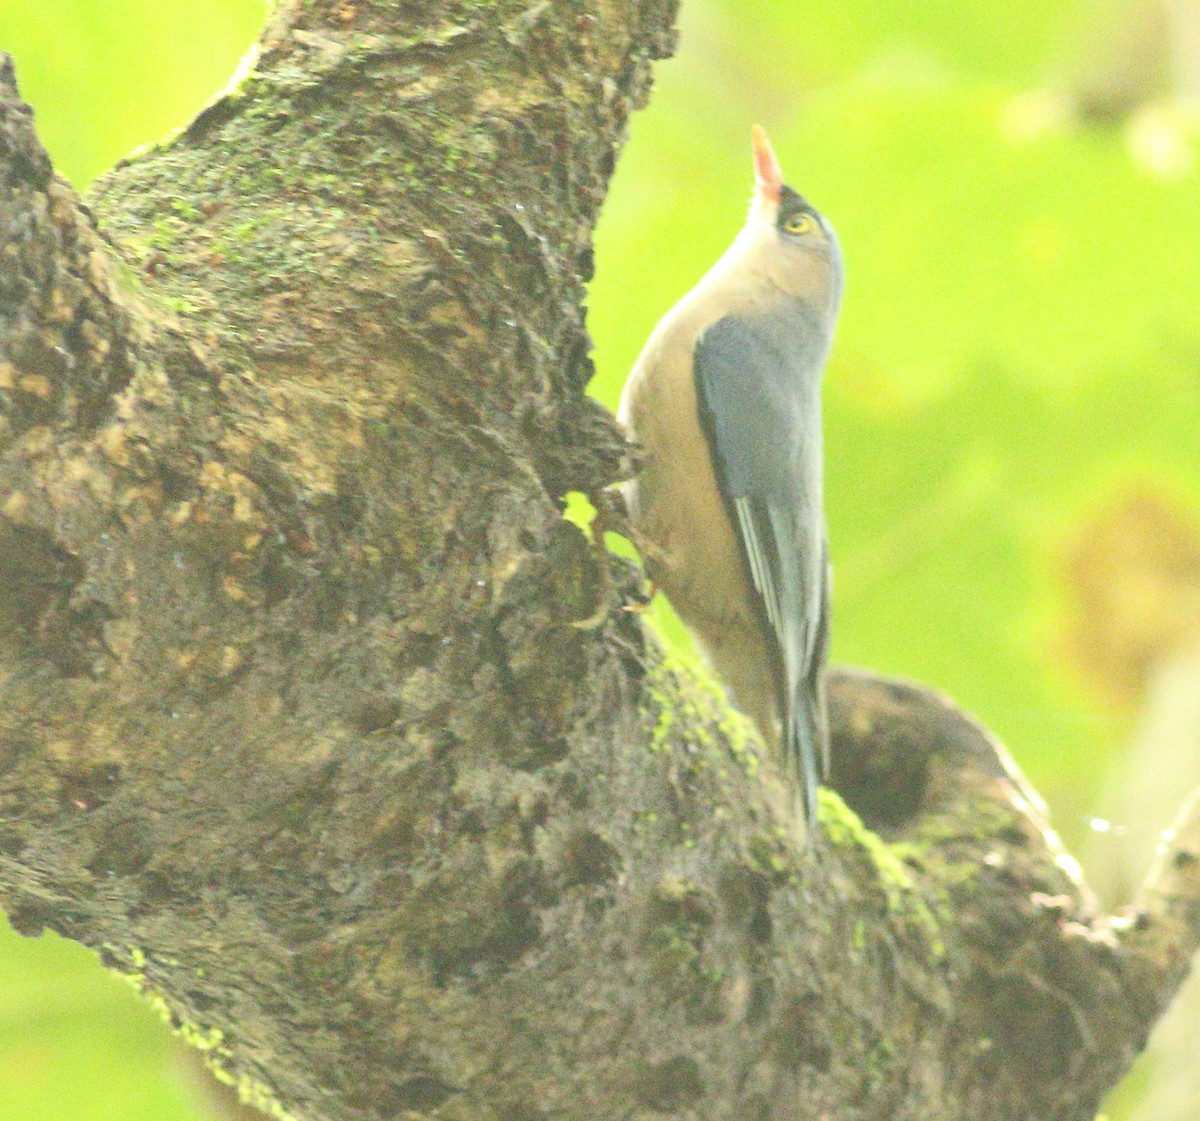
{"x": 766, "y": 167}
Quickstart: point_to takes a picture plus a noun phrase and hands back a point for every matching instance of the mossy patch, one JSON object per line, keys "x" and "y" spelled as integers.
{"x": 907, "y": 905}
{"x": 679, "y": 919}
{"x": 688, "y": 703}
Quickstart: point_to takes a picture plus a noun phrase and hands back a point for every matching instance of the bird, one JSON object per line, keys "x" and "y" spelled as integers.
{"x": 727, "y": 506}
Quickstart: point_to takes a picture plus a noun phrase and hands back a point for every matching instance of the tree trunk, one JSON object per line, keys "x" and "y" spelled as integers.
{"x": 296, "y": 726}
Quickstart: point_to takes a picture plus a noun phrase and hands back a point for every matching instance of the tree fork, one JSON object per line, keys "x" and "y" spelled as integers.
{"x": 296, "y": 727}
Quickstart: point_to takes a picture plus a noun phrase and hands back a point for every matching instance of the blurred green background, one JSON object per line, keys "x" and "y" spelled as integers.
{"x": 1011, "y": 410}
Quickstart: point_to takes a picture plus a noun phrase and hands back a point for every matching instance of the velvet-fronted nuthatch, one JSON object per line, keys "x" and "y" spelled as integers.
{"x": 725, "y": 401}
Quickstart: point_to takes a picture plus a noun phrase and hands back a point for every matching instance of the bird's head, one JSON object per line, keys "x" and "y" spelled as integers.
{"x": 791, "y": 230}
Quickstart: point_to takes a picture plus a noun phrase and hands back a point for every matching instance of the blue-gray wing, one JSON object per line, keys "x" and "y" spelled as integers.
{"x": 758, "y": 394}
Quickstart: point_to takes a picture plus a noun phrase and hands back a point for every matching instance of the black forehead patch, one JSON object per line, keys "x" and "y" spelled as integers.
{"x": 792, "y": 199}
{"x": 791, "y": 202}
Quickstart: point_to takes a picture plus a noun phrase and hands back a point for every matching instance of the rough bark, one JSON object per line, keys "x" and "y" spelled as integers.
{"x": 295, "y": 724}
{"x": 1142, "y": 793}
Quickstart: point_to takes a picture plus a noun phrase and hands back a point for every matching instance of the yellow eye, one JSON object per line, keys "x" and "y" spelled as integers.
{"x": 800, "y": 223}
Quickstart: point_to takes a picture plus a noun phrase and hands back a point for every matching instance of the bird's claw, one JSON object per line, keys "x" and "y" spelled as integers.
{"x": 600, "y": 524}
{"x": 613, "y": 516}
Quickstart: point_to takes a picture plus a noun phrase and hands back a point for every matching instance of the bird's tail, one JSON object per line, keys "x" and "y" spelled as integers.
{"x": 807, "y": 731}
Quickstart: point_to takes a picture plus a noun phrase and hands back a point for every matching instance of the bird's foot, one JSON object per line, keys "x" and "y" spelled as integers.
{"x": 644, "y": 599}
{"x": 612, "y": 516}
{"x": 600, "y": 525}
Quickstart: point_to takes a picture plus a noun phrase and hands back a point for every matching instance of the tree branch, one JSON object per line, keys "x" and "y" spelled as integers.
{"x": 295, "y": 724}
